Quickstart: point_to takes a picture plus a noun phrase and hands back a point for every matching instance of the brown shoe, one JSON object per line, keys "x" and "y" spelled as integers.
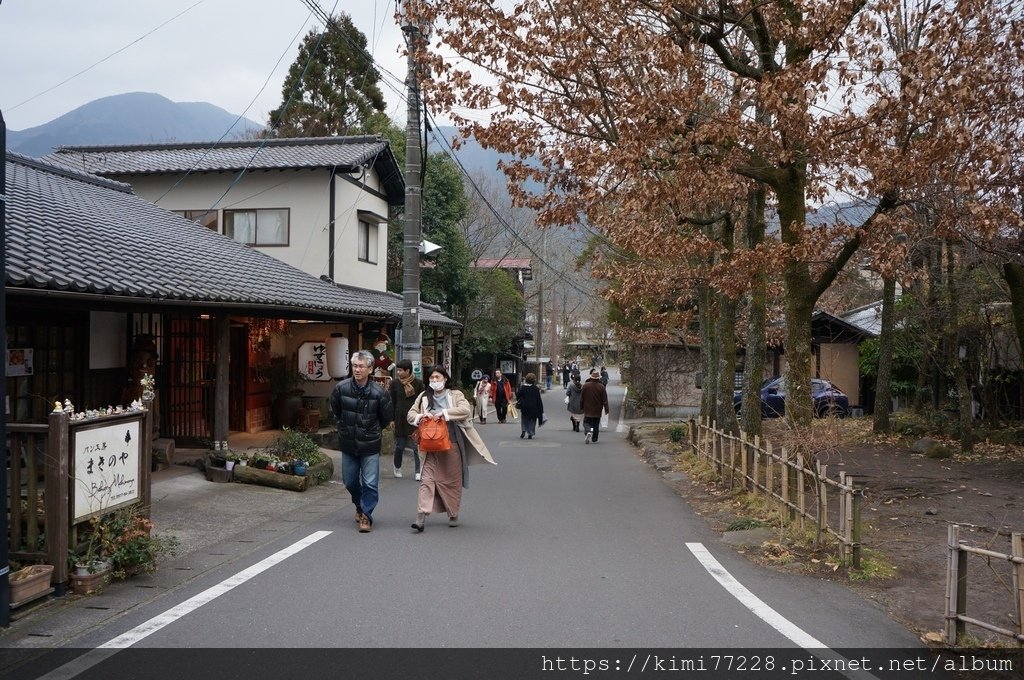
{"x": 359, "y": 515}
{"x": 364, "y": 525}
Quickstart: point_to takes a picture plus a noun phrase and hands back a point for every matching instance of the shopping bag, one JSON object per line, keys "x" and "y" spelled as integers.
{"x": 604, "y": 422}
{"x": 513, "y": 412}
{"x": 543, "y": 419}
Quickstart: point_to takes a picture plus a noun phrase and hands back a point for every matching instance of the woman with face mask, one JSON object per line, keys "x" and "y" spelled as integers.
{"x": 444, "y": 474}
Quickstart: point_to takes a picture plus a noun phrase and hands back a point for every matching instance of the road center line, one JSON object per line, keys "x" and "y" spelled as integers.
{"x": 774, "y": 619}
{"x": 108, "y": 649}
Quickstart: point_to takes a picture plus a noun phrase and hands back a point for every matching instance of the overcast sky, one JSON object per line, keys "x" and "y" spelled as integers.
{"x": 216, "y": 51}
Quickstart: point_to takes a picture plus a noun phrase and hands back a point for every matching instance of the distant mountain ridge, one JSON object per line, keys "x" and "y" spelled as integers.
{"x": 132, "y": 118}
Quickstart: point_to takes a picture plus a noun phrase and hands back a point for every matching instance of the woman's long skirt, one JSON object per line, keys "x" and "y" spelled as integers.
{"x": 441, "y": 483}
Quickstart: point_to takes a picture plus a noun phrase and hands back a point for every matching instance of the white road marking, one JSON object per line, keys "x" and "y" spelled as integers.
{"x": 108, "y": 649}
{"x": 621, "y": 427}
{"x": 774, "y": 619}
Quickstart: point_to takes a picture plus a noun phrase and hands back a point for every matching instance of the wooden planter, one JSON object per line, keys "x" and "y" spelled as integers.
{"x": 217, "y": 474}
{"x": 30, "y": 583}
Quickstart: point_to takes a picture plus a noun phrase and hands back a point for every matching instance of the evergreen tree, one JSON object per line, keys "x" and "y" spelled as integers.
{"x": 337, "y": 93}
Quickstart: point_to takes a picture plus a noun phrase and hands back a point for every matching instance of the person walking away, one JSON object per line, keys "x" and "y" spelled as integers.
{"x": 404, "y": 391}
{"x": 445, "y": 474}
{"x": 604, "y": 376}
{"x": 594, "y": 400}
{"x": 501, "y": 395}
{"x": 363, "y": 409}
{"x": 574, "y": 394}
{"x": 549, "y": 370}
{"x": 566, "y": 371}
{"x": 531, "y": 406}
{"x": 483, "y": 396}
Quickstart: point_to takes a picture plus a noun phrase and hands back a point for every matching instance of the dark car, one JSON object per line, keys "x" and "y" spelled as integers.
{"x": 827, "y": 398}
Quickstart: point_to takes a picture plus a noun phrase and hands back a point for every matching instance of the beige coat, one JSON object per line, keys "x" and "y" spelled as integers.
{"x": 460, "y": 413}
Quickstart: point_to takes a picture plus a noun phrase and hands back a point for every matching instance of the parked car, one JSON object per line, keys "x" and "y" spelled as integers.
{"x": 826, "y": 397}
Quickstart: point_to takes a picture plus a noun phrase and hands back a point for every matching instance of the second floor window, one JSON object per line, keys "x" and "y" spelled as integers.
{"x": 367, "y": 242}
{"x": 267, "y": 227}
{"x": 207, "y": 218}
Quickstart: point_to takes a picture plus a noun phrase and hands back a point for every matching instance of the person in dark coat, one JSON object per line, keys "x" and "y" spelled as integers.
{"x": 501, "y": 395}
{"x": 574, "y": 402}
{"x": 404, "y": 391}
{"x": 363, "y": 409}
{"x": 566, "y": 370}
{"x": 604, "y": 376}
{"x": 531, "y": 406}
{"x": 594, "y": 400}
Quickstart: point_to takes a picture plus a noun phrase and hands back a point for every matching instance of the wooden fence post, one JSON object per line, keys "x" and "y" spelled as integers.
{"x": 822, "y": 500}
{"x": 744, "y": 467}
{"x": 58, "y": 514}
{"x": 857, "y": 497}
{"x": 845, "y": 517}
{"x": 1017, "y": 550}
{"x": 769, "y": 476}
{"x": 798, "y": 483}
{"x": 732, "y": 462}
{"x": 755, "y": 472}
{"x": 953, "y": 606}
{"x": 146, "y": 458}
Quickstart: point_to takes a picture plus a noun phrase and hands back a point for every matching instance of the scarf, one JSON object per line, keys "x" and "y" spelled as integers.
{"x": 407, "y": 384}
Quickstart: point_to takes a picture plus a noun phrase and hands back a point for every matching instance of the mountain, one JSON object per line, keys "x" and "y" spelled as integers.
{"x": 132, "y": 118}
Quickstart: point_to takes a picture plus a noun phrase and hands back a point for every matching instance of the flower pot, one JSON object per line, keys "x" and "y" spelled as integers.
{"x": 229, "y": 465}
{"x": 30, "y": 582}
{"x": 299, "y": 469}
{"x": 220, "y": 475}
{"x": 89, "y": 583}
{"x": 92, "y": 567}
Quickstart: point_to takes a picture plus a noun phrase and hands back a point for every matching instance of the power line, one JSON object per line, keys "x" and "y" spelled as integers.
{"x": 206, "y": 152}
{"x": 112, "y": 54}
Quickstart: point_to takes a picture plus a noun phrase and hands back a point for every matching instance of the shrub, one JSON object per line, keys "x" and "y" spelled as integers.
{"x": 134, "y": 547}
{"x": 677, "y": 434}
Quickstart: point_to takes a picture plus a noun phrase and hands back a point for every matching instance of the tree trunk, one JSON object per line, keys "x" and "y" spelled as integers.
{"x": 883, "y": 385}
{"x": 800, "y": 299}
{"x": 756, "y": 340}
{"x": 725, "y": 414}
{"x": 709, "y": 352}
{"x": 1013, "y": 274}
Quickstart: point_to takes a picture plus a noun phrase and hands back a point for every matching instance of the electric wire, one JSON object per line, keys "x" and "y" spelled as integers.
{"x": 206, "y": 152}
{"x": 109, "y": 56}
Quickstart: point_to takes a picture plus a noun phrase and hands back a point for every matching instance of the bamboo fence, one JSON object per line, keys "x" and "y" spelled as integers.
{"x": 802, "y": 490}
{"x": 956, "y": 586}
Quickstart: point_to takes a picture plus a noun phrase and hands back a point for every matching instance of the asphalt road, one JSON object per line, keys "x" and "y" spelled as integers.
{"x": 562, "y": 545}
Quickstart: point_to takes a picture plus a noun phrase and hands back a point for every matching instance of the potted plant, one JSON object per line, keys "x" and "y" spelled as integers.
{"x": 93, "y": 557}
{"x": 90, "y": 562}
{"x": 136, "y": 549}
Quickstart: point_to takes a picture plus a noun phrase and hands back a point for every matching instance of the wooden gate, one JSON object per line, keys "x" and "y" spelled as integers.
{"x": 191, "y": 378}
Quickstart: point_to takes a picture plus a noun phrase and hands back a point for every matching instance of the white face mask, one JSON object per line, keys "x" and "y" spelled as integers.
{"x": 436, "y": 385}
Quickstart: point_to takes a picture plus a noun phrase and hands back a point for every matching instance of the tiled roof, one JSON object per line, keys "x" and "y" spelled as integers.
{"x": 502, "y": 263}
{"x": 347, "y": 154}
{"x": 76, "y": 235}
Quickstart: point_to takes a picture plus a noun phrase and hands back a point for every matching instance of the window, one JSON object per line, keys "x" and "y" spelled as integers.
{"x": 207, "y": 218}
{"x": 257, "y": 227}
{"x": 367, "y": 242}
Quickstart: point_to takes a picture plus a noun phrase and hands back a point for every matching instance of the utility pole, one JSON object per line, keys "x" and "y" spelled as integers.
{"x": 538, "y": 346}
{"x": 5, "y": 566}
{"x": 412, "y": 339}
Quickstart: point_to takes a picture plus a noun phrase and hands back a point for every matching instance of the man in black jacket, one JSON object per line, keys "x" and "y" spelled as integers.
{"x": 363, "y": 409}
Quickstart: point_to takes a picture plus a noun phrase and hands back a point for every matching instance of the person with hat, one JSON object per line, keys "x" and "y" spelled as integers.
{"x": 594, "y": 400}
